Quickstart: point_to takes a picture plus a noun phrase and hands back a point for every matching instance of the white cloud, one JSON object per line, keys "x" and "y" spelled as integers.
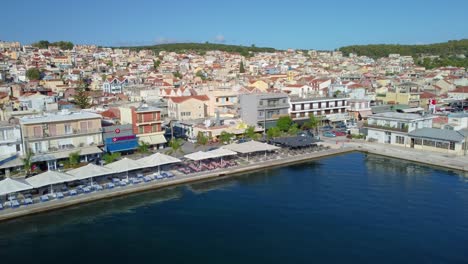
{"x": 220, "y": 38}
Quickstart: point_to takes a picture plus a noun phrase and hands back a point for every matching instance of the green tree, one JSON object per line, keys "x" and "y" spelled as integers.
{"x": 42, "y": 44}
{"x": 143, "y": 147}
{"x": 293, "y": 129}
{"x": 177, "y": 75}
{"x": 110, "y": 63}
{"x": 250, "y": 133}
{"x": 81, "y": 98}
{"x": 284, "y": 123}
{"x": 312, "y": 123}
{"x": 225, "y": 137}
{"x": 176, "y": 146}
{"x": 33, "y": 74}
{"x": 111, "y": 157}
{"x": 241, "y": 67}
{"x": 202, "y": 139}
{"x": 27, "y": 162}
{"x": 156, "y": 64}
{"x": 74, "y": 159}
{"x": 200, "y": 74}
{"x": 273, "y": 132}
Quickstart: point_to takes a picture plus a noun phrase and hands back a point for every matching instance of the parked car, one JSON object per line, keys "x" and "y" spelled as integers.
{"x": 327, "y": 127}
{"x": 341, "y": 125}
{"x": 339, "y": 133}
{"x": 328, "y": 134}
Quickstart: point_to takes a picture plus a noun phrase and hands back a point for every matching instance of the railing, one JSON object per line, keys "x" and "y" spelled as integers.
{"x": 75, "y": 132}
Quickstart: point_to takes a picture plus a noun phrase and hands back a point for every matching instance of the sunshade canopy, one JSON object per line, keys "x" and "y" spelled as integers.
{"x": 158, "y": 159}
{"x": 49, "y": 178}
{"x": 9, "y": 185}
{"x": 250, "y": 147}
{"x": 125, "y": 165}
{"x": 89, "y": 171}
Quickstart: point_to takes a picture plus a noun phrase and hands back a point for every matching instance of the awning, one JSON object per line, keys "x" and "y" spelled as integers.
{"x": 153, "y": 139}
{"x": 122, "y": 146}
{"x": 221, "y": 152}
{"x": 200, "y": 155}
{"x": 89, "y": 171}
{"x": 66, "y": 153}
{"x": 49, "y": 178}
{"x": 158, "y": 159}
{"x": 125, "y": 165}
{"x": 250, "y": 146}
{"x": 365, "y": 113}
{"x": 9, "y": 185}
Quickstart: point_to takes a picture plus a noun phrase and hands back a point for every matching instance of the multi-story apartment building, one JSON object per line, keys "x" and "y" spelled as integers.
{"x": 333, "y": 109}
{"x": 184, "y": 108}
{"x": 222, "y": 102}
{"x": 359, "y": 109}
{"x": 114, "y": 85}
{"x": 10, "y": 142}
{"x": 53, "y": 136}
{"x": 147, "y": 123}
{"x": 407, "y": 93}
{"x": 393, "y": 127}
{"x": 263, "y": 109}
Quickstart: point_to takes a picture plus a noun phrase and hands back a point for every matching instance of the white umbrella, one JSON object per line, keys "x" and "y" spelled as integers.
{"x": 158, "y": 159}
{"x": 49, "y": 178}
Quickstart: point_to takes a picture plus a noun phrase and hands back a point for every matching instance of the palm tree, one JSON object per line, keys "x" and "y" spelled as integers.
{"x": 143, "y": 147}
{"x": 27, "y": 162}
{"x": 313, "y": 123}
{"x": 176, "y": 146}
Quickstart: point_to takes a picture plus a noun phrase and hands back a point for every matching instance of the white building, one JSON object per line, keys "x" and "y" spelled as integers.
{"x": 393, "y": 128}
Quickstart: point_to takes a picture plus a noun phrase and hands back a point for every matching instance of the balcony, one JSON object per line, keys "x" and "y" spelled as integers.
{"x": 74, "y": 133}
{"x": 404, "y": 128}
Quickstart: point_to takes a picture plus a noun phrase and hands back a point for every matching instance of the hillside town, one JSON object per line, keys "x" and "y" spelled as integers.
{"x": 94, "y": 100}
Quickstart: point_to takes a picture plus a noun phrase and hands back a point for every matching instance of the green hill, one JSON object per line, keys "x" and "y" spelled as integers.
{"x": 201, "y": 48}
{"x": 448, "y": 52}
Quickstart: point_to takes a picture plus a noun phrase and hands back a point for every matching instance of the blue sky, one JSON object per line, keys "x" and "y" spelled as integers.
{"x": 326, "y": 24}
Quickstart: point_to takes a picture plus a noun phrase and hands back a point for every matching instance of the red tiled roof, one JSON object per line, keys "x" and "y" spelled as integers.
{"x": 181, "y": 99}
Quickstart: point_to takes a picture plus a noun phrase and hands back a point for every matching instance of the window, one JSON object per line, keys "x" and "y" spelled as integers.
{"x": 52, "y": 130}
{"x": 400, "y": 140}
{"x": 37, "y": 131}
{"x": 37, "y": 147}
{"x": 140, "y": 130}
{"x": 418, "y": 141}
{"x": 84, "y": 127}
{"x": 452, "y": 145}
{"x": 260, "y": 102}
{"x": 68, "y": 129}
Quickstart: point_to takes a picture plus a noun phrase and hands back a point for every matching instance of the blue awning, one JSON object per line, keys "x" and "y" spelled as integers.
{"x": 121, "y": 146}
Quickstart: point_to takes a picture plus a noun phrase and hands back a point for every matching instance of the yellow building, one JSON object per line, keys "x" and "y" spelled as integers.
{"x": 405, "y": 93}
{"x": 261, "y": 85}
{"x": 187, "y": 107}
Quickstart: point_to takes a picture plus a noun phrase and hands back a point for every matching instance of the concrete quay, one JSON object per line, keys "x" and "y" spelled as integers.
{"x": 37, "y": 208}
{"x": 441, "y": 160}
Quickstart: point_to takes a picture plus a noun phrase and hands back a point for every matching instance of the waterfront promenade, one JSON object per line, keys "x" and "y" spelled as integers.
{"x": 425, "y": 157}
{"x": 275, "y": 161}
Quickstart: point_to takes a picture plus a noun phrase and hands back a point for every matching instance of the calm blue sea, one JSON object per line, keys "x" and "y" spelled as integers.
{"x": 346, "y": 209}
